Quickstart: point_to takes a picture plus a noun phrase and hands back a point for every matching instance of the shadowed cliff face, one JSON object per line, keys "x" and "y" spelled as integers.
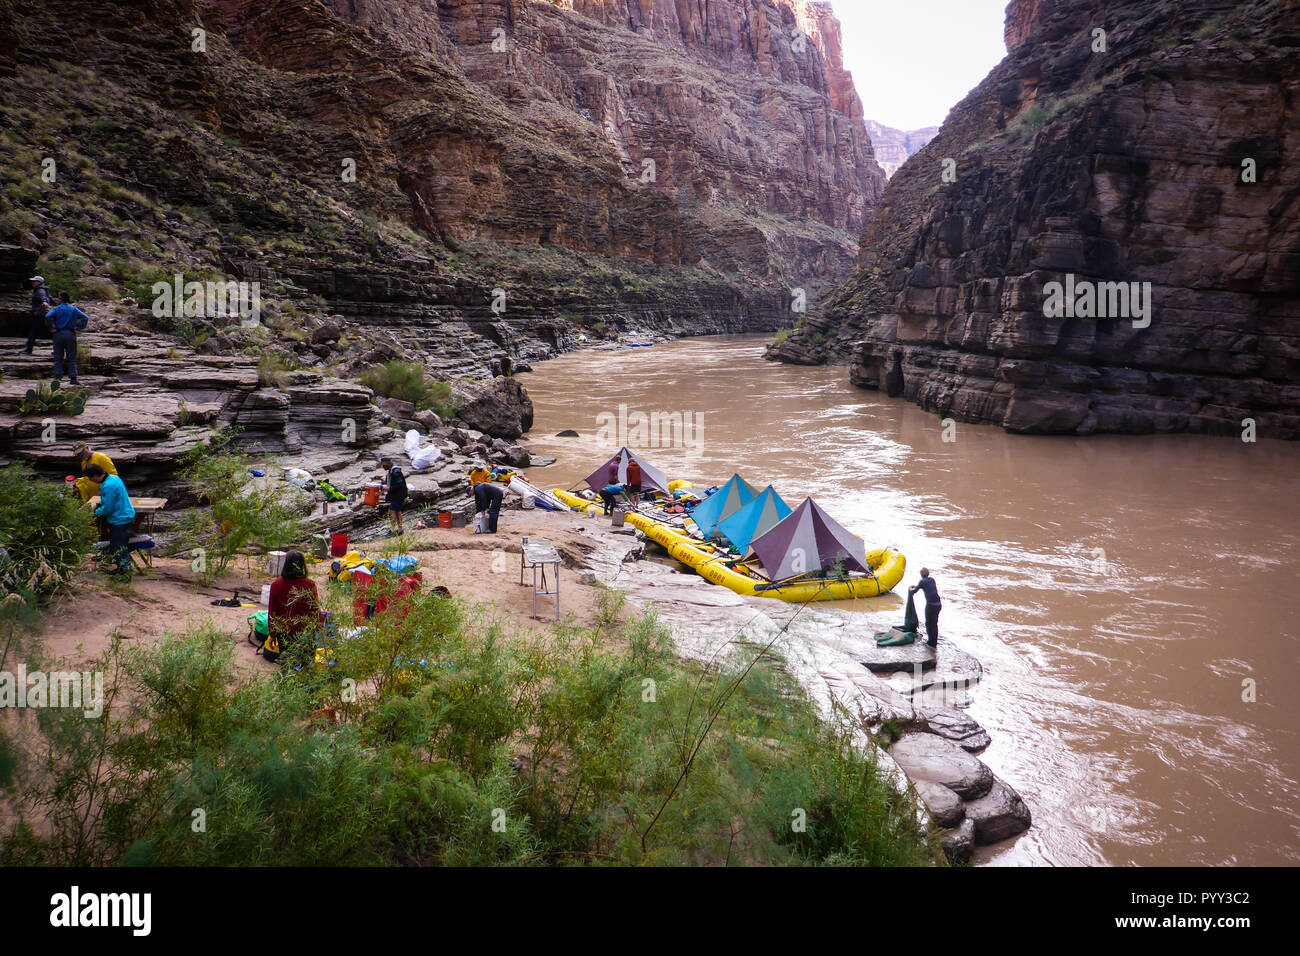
{"x": 651, "y": 164}
{"x": 1167, "y": 158}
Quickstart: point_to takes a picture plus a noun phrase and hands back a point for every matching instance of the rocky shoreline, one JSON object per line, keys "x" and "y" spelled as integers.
{"x": 909, "y": 701}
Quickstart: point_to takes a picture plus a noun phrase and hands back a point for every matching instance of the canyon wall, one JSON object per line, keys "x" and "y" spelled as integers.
{"x": 603, "y": 163}
{"x": 1118, "y": 142}
{"x": 894, "y": 147}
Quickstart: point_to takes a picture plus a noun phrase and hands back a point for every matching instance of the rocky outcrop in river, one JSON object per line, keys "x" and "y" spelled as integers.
{"x": 1103, "y": 237}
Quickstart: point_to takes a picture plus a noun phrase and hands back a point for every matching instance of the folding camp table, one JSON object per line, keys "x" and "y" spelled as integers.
{"x": 539, "y": 554}
{"x": 141, "y": 542}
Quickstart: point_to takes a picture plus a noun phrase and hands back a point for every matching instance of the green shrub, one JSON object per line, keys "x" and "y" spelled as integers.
{"x": 457, "y": 744}
{"x": 236, "y": 512}
{"x": 272, "y": 369}
{"x": 45, "y": 536}
{"x": 406, "y": 381}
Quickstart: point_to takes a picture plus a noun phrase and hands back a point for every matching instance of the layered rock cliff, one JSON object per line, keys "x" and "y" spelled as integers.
{"x": 607, "y": 164}
{"x": 1118, "y": 142}
{"x": 894, "y": 147}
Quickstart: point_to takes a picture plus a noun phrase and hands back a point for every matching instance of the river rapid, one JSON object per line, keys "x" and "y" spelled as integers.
{"x": 1133, "y": 599}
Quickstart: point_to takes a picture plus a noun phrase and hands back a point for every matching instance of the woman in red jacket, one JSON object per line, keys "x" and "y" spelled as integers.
{"x": 295, "y": 607}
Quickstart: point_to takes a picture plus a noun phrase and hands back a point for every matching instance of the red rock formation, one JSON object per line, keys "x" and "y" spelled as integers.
{"x": 523, "y": 128}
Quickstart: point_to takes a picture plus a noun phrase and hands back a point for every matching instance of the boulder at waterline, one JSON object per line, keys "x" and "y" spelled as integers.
{"x": 946, "y": 808}
{"x": 936, "y": 760}
{"x": 998, "y": 814}
{"x": 961, "y": 729}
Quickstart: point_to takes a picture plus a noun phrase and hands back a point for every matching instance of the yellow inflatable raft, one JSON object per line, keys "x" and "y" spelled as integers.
{"x": 722, "y": 568}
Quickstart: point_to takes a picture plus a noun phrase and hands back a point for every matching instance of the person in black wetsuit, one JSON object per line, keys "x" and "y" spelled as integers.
{"x": 932, "y": 605}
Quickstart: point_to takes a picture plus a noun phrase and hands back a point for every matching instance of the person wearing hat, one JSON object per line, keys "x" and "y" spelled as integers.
{"x": 85, "y": 458}
{"x": 40, "y": 305}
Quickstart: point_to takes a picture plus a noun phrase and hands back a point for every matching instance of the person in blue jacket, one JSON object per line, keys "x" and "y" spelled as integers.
{"x": 116, "y": 510}
{"x": 65, "y": 320}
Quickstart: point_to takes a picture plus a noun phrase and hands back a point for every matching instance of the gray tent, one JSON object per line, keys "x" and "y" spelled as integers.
{"x": 809, "y": 541}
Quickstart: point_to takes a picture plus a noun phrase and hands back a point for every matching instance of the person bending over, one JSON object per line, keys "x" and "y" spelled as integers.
{"x": 118, "y": 513}
{"x": 487, "y": 503}
{"x": 609, "y": 497}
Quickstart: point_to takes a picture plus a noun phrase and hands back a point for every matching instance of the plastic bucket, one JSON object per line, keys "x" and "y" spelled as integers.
{"x": 275, "y": 563}
{"x": 372, "y": 495}
{"x": 266, "y": 595}
{"x": 444, "y": 519}
{"x": 338, "y": 545}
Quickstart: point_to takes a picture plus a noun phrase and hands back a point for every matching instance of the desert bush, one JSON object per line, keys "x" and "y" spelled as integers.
{"x": 406, "y": 381}
{"x": 236, "y": 512}
{"x": 273, "y": 369}
{"x": 45, "y": 536}
{"x": 458, "y": 744}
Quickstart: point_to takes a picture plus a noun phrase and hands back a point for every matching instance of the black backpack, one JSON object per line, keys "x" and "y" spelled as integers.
{"x": 397, "y": 484}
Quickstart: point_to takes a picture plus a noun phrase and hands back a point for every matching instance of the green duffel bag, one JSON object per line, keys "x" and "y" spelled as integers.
{"x": 895, "y": 637}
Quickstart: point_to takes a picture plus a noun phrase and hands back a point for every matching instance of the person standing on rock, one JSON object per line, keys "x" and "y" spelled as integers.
{"x": 64, "y": 321}
{"x": 395, "y": 483}
{"x": 40, "y": 305}
{"x": 932, "y": 605}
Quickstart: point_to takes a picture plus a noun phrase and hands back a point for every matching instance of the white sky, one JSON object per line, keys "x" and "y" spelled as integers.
{"x": 913, "y": 60}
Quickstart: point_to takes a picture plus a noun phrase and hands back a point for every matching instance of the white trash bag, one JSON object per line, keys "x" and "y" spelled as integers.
{"x": 421, "y": 458}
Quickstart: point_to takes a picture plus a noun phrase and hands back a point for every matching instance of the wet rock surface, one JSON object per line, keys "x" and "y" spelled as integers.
{"x": 998, "y": 814}
{"x": 933, "y": 759}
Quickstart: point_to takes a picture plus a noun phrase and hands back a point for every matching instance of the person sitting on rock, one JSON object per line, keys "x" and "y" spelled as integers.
{"x": 85, "y": 458}
{"x": 118, "y": 513}
{"x": 294, "y": 614}
{"x": 932, "y": 605}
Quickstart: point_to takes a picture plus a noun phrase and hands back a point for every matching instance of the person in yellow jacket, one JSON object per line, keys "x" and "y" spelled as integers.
{"x": 85, "y": 457}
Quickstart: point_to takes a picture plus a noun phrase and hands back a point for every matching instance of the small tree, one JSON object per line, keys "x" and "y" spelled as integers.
{"x": 239, "y": 512}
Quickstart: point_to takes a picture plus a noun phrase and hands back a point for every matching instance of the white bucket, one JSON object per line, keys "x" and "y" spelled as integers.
{"x": 275, "y": 563}
{"x": 266, "y": 595}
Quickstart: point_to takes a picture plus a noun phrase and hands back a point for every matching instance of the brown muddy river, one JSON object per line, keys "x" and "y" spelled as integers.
{"x": 1124, "y": 594}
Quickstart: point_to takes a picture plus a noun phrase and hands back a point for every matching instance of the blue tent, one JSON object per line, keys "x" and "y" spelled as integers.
{"x": 731, "y": 497}
{"x": 756, "y": 518}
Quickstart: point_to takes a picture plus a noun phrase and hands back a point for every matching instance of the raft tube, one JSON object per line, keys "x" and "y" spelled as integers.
{"x": 715, "y": 566}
